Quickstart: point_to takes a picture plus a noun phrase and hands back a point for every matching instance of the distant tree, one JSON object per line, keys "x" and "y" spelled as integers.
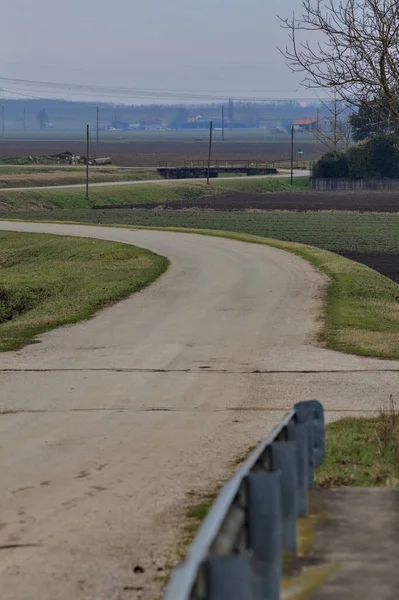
{"x": 375, "y": 158}
{"x": 180, "y": 118}
{"x": 42, "y": 118}
{"x": 334, "y": 129}
{"x": 372, "y": 118}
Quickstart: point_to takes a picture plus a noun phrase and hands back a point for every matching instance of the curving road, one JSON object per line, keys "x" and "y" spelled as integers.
{"x": 111, "y": 428}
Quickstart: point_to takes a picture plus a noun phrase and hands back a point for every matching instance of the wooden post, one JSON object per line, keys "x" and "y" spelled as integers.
{"x": 87, "y": 160}
{"x": 210, "y": 151}
{"x": 292, "y": 155}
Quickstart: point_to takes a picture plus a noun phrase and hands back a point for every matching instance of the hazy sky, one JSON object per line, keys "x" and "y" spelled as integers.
{"x": 220, "y": 46}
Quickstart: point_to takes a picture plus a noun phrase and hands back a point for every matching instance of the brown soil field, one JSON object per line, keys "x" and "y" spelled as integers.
{"x": 386, "y": 263}
{"x": 372, "y": 201}
{"x": 126, "y": 153}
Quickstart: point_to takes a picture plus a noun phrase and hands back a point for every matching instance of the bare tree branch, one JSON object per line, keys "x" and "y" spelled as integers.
{"x": 349, "y": 46}
{"x": 334, "y": 129}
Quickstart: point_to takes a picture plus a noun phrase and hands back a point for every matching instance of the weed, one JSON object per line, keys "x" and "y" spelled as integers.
{"x": 362, "y": 451}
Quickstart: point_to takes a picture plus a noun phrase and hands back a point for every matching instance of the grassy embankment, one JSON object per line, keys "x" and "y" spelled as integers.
{"x": 72, "y": 199}
{"x": 47, "y": 281}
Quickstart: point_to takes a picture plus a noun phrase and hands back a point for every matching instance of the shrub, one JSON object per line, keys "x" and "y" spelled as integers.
{"x": 375, "y": 158}
{"x": 332, "y": 164}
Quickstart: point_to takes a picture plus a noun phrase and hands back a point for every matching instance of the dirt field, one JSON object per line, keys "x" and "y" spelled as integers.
{"x": 373, "y": 201}
{"x": 386, "y": 263}
{"x": 149, "y": 153}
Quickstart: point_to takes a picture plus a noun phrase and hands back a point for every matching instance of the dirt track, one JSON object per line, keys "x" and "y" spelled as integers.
{"x": 110, "y": 428}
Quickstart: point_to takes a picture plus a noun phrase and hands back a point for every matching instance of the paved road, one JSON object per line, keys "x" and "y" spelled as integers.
{"x": 111, "y": 427}
{"x": 297, "y": 173}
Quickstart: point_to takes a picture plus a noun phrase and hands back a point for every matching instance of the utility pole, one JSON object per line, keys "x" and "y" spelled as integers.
{"x": 98, "y": 128}
{"x": 2, "y": 120}
{"x": 222, "y": 123}
{"x": 87, "y": 160}
{"x": 292, "y": 154}
{"x": 231, "y": 114}
{"x": 210, "y": 151}
{"x": 317, "y": 128}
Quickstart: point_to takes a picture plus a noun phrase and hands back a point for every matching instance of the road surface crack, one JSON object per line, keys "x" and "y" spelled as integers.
{"x": 200, "y": 370}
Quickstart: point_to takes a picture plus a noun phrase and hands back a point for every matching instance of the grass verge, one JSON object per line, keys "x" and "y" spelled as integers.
{"x": 362, "y": 452}
{"x": 12, "y": 177}
{"x": 47, "y": 281}
{"x": 164, "y": 191}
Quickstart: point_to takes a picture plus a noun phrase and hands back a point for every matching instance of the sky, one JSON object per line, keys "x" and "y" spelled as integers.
{"x": 192, "y": 49}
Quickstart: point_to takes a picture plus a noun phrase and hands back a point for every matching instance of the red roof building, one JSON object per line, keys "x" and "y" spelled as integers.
{"x": 308, "y": 124}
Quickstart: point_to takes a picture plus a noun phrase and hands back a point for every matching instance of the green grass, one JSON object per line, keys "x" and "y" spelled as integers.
{"x": 362, "y": 452}
{"x": 14, "y": 177}
{"x": 69, "y": 199}
{"x": 262, "y": 186}
{"x": 47, "y": 281}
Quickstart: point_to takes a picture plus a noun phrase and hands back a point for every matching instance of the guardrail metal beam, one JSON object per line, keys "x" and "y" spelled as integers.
{"x": 237, "y": 552}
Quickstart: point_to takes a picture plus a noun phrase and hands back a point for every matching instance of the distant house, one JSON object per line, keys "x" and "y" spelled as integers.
{"x": 152, "y": 124}
{"x": 308, "y": 124}
{"x": 194, "y": 118}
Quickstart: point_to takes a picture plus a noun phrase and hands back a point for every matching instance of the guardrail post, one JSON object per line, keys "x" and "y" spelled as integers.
{"x": 298, "y": 433}
{"x": 312, "y": 413}
{"x": 229, "y": 578}
{"x": 265, "y": 531}
{"x": 283, "y": 458}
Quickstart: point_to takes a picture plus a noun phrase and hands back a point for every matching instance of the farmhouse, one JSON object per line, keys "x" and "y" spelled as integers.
{"x": 308, "y": 124}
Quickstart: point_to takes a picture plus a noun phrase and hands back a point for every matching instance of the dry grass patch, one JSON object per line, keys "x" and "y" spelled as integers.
{"x": 362, "y": 451}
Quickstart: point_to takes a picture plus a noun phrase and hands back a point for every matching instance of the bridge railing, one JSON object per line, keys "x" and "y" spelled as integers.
{"x": 237, "y": 553}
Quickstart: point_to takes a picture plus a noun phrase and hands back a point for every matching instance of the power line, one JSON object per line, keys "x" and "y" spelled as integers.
{"x": 107, "y": 91}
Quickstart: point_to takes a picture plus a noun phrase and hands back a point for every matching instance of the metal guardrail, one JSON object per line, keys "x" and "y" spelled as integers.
{"x": 237, "y": 552}
{"x": 282, "y": 163}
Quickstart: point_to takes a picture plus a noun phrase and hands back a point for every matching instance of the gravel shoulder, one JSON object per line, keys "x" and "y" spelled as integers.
{"x": 111, "y": 428}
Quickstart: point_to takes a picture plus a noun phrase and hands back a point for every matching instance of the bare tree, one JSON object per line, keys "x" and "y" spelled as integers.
{"x": 334, "y": 129}
{"x": 350, "y": 46}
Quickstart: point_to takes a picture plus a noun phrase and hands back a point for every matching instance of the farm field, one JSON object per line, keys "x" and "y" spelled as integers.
{"x": 369, "y": 238}
{"x": 249, "y": 194}
{"x": 146, "y": 149}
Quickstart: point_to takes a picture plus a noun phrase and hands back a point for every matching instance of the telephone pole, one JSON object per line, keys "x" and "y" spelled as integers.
{"x": 98, "y": 128}
{"x": 87, "y": 160}
{"x": 210, "y": 151}
{"x": 231, "y": 114}
{"x": 222, "y": 123}
{"x": 292, "y": 154}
